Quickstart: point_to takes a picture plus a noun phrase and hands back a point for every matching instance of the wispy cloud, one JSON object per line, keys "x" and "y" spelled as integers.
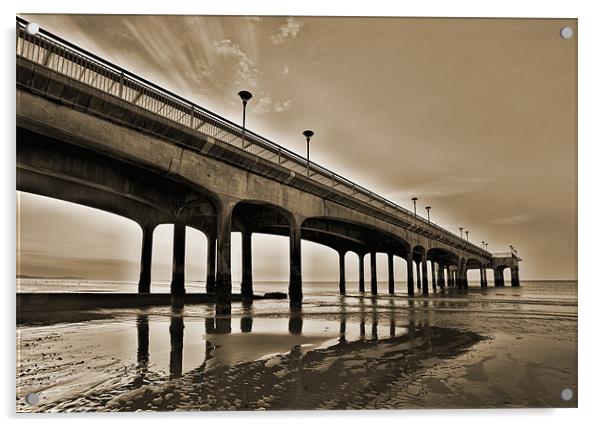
{"x": 448, "y": 186}
{"x": 265, "y": 104}
{"x": 289, "y": 30}
{"x": 286, "y": 69}
{"x": 247, "y": 71}
{"x": 283, "y": 106}
{"x": 511, "y": 220}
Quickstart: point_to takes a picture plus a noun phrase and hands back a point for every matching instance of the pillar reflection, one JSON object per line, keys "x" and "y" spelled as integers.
{"x": 246, "y": 321}
{"x": 142, "y": 354}
{"x": 295, "y": 322}
{"x": 176, "y": 335}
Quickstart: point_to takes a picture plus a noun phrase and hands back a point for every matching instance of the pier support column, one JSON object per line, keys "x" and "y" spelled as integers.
{"x": 342, "y": 273}
{"x": 498, "y": 275}
{"x": 361, "y": 272}
{"x": 391, "y": 274}
{"x": 373, "y": 278}
{"x": 451, "y": 278}
{"x": 146, "y": 259}
{"x": 463, "y": 278}
{"x": 433, "y": 276}
{"x": 223, "y": 275}
{"x": 441, "y": 275}
{"x": 425, "y": 276}
{"x": 514, "y": 277}
{"x": 178, "y": 289}
{"x": 295, "y": 292}
{"x": 210, "y": 282}
{"x": 410, "y": 274}
{"x": 483, "y": 277}
{"x": 246, "y": 285}
{"x": 418, "y": 274}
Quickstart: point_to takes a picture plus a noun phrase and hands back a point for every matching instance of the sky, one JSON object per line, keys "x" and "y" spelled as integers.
{"x": 475, "y": 117}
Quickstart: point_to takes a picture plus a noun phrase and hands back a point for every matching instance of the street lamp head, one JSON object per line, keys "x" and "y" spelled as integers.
{"x": 245, "y": 95}
{"x": 414, "y": 199}
{"x": 428, "y": 208}
{"x": 308, "y": 134}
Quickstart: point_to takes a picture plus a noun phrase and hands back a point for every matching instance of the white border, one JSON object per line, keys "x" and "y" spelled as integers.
{"x": 590, "y": 138}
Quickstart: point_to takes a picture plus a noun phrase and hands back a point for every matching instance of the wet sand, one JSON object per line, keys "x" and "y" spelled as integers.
{"x": 498, "y": 348}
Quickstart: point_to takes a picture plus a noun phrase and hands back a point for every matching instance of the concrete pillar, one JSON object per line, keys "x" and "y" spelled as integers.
{"x": 391, "y": 274}
{"x": 410, "y": 274}
{"x": 361, "y": 272}
{"x": 425, "y": 278}
{"x": 418, "y": 275}
{"x": 483, "y": 277}
{"x": 373, "y": 279}
{"x": 441, "y": 275}
{"x": 146, "y": 259}
{"x": 342, "y": 273}
{"x": 246, "y": 286}
{"x": 178, "y": 289}
{"x": 451, "y": 277}
{"x": 223, "y": 275}
{"x": 295, "y": 292}
{"x": 210, "y": 282}
{"x": 433, "y": 275}
{"x": 498, "y": 275}
{"x": 462, "y": 281}
{"x": 514, "y": 277}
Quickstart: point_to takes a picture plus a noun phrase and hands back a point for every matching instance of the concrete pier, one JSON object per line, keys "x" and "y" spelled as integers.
{"x": 295, "y": 292}
{"x": 441, "y": 275}
{"x": 146, "y": 258}
{"x": 425, "y": 278}
{"x": 373, "y": 277}
{"x": 178, "y": 289}
{"x": 98, "y": 148}
{"x": 391, "y": 270}
{"x": 342, "y": 273}
{"x": 410, "y": 274}
{"x": 223, "y": 278}
{"x": 211, "y": 254}
{"x": 246, "y": 285}
{"x": 515, "y": 281}
{"x": 418, "y": 275}
{"x": 362, "y": 288}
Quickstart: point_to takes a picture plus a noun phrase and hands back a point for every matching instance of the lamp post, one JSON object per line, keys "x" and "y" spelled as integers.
{"x": 461, "y": 235}
{"x": 483, "y": 244}
{"x": 466, "y": 235}
{"x": 486, "y": 244}
{"x": 428, "y": 213}
{"x": 245, "y": 96}
{"x": 308, "y": 134}
{"x": 414, "y": 200}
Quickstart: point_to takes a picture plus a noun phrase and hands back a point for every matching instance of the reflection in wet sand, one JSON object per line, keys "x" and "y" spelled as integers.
{"x": 415, "y": 353}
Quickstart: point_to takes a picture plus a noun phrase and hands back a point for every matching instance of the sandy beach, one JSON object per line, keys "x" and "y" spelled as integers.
{"x": 484, "y": 349}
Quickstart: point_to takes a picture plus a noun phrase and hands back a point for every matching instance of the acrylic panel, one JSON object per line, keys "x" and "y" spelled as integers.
{"x": 268, "y": 213}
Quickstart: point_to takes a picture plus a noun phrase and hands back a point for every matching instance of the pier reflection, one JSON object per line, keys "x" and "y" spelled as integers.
{"x": 176, "y": 334}
{"x": 258, "y": 336}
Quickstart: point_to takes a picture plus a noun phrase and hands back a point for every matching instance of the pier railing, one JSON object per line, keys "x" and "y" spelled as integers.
{"x": 54, "y": 53}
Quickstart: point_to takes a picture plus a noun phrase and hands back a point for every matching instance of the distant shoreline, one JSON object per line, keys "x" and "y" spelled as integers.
{"x": 25, "y": 276}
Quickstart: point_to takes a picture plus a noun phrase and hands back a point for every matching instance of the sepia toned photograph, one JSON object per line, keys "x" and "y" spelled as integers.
{"x": 242, "y": 213}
